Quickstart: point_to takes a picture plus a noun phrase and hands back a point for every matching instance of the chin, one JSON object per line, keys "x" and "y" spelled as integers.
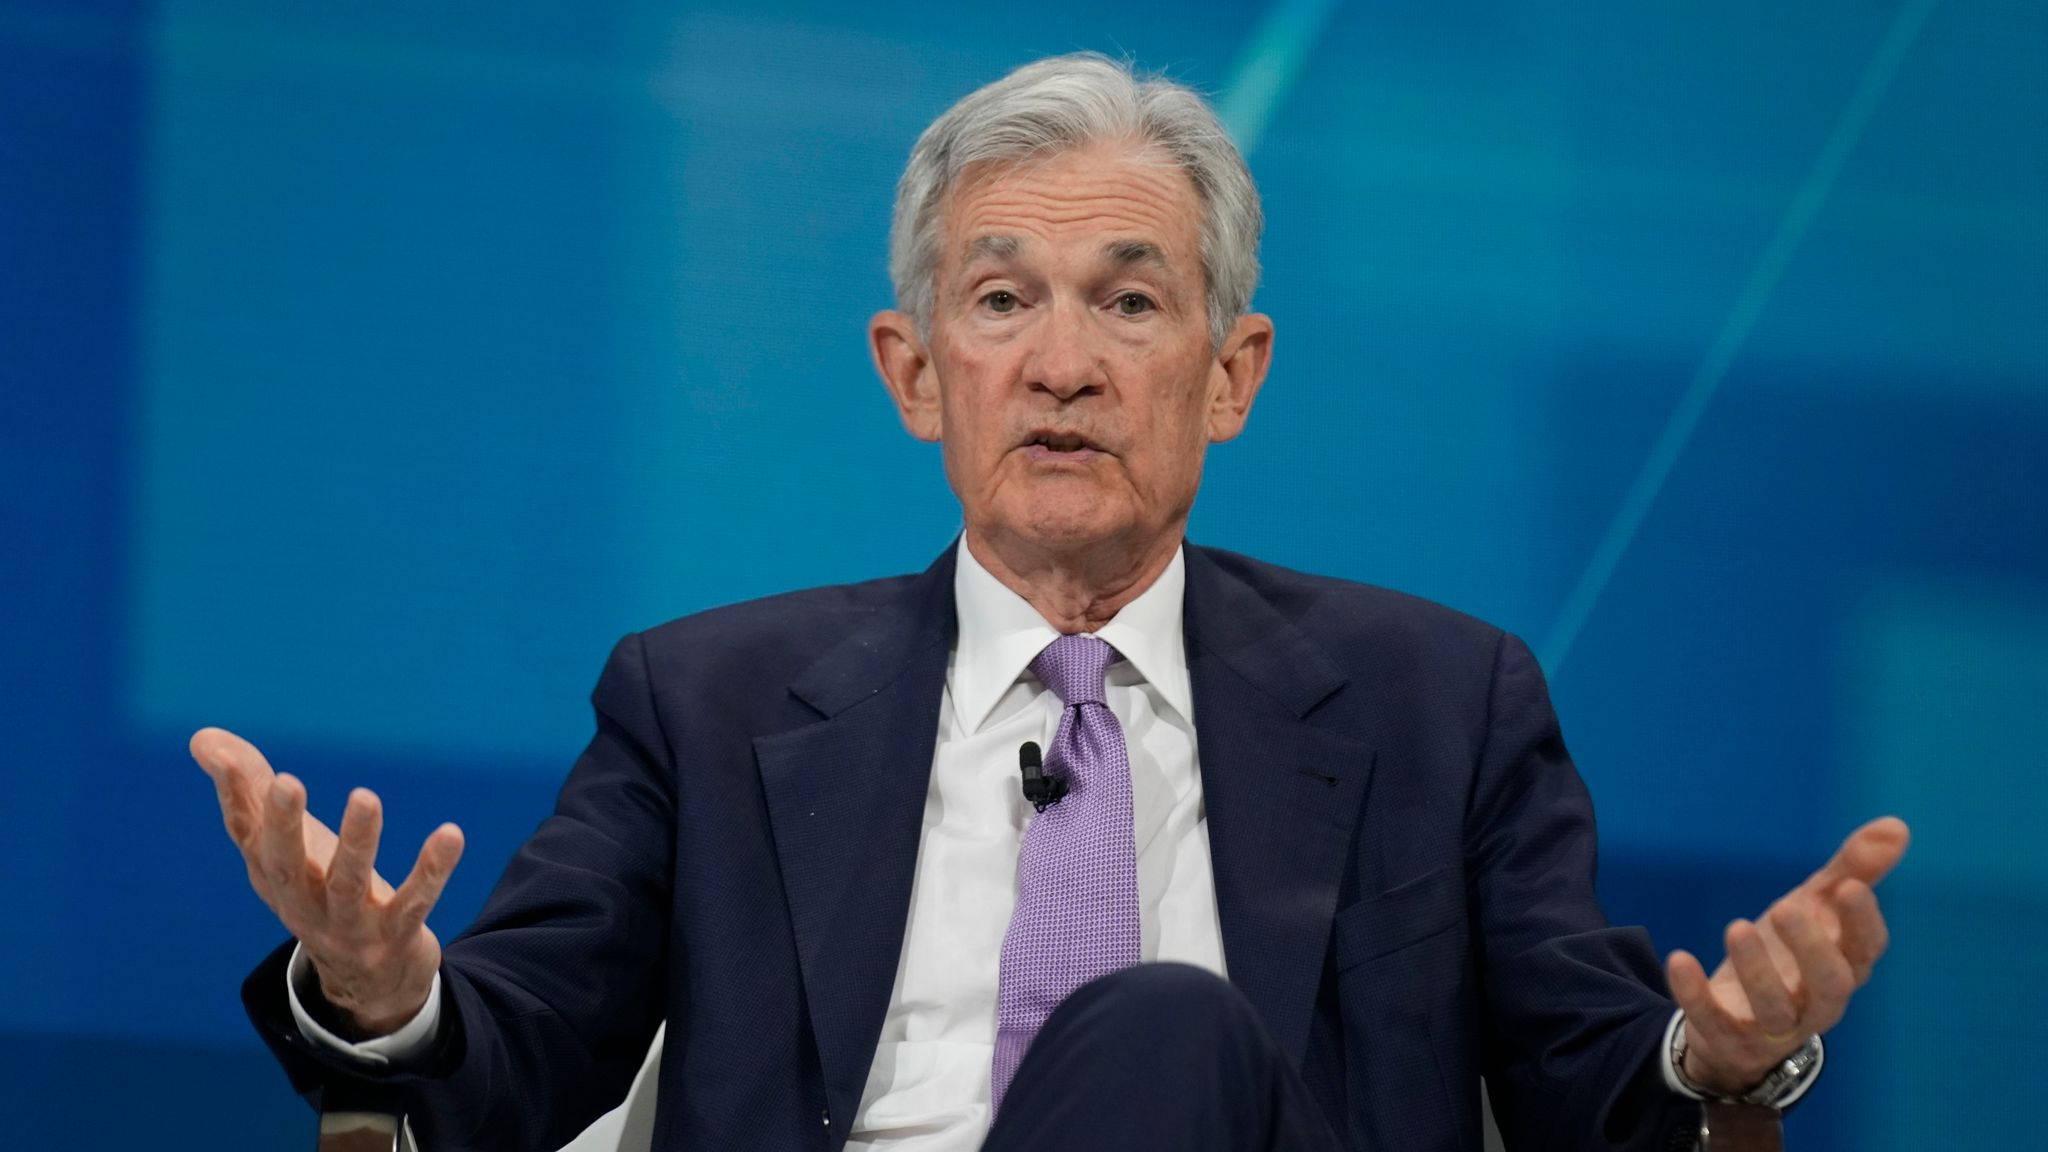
{"x": 1062, "y": 526}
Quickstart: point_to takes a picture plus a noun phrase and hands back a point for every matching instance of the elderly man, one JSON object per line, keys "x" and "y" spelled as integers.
{"x": 1085, "y": 836}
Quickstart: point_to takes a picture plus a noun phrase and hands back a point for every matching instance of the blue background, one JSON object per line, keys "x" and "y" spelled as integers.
{"x": 367, "y": 369}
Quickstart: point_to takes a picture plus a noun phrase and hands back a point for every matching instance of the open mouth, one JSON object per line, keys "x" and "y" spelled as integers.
{"x": 1060, "y": 445}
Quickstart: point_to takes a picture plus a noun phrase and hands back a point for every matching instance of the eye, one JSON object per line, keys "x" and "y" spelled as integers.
{"x": 1000, "y": 302}
{"x": 1134, "y": 304}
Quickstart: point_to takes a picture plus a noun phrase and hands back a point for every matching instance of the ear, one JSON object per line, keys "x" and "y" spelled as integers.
{"x": 906, "y": 370}
{"x": 1235, "y": 377}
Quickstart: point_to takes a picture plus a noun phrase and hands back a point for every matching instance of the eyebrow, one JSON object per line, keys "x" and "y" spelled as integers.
{"x": 992, "y": 248}
{"x": 1135, "y": 252}
{"x": 1122, "y": 252}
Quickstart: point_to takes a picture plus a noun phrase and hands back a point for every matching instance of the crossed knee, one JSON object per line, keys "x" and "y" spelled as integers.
{"x": 1163, "y": 1004}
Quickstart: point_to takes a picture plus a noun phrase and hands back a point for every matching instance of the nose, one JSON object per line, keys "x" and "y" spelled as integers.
{"x": 1065, "y": 361}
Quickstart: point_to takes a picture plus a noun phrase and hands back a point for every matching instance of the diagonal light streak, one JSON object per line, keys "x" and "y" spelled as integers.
{"x": 1756, "y": 292}
{"x": 1267, "y": 67}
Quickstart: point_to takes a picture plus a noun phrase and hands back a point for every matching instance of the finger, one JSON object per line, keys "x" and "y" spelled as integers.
{"x": 355, "y": 862}
{"x": 220, "y": 751}
{"x": 1823, "y": 970}
{"x": 240, "y": 775}
{"x": 1867, "y": 855}
{"x": 1770, "y": 1001}
{"x": 1774, "y": 944}
{"x": 241, "y": 813}
{"x": 283, "y": 852}
{"x": 422, "y": 889}
{"x": 1695, "y": 995}
{"x": 1864, "y": 936}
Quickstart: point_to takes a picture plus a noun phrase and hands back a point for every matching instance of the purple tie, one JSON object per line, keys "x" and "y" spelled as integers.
{"x": 1077, "y": 877}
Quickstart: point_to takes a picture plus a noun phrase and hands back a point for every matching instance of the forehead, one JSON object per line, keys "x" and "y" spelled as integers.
{"x": 1081, "y": 196}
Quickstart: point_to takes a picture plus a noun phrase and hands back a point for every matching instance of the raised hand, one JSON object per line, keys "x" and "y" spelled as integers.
{"x": 370, "y": 944}
{"x": 1788, "y": 975}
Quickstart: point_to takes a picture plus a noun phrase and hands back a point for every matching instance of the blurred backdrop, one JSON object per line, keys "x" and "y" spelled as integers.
{"x": 367, "y": 369}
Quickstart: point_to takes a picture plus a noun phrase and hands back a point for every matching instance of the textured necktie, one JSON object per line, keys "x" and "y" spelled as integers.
{"x": 1077, "y": 876}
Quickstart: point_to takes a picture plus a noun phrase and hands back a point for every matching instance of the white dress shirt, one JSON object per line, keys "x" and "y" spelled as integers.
{"x": 928, "y": 1089}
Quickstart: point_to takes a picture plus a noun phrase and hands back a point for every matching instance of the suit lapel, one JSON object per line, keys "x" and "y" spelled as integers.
{"x": 846, "y": 795}
{"x": 1282, "y": 794}
{"x": 846, "y": 801}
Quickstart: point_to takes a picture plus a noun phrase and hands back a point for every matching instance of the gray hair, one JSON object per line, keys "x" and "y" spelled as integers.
{"x": 1065, "y": 102}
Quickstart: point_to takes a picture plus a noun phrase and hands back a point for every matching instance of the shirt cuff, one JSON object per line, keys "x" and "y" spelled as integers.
{"x": 1672, "y": 1080}
{"x": 412, "y": 1038}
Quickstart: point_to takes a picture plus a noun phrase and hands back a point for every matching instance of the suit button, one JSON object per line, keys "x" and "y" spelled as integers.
{"x": 825, "y": 1114}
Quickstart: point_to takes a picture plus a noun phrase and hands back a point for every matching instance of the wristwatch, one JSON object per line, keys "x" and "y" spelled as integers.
{"x": 1787, "y": 1081}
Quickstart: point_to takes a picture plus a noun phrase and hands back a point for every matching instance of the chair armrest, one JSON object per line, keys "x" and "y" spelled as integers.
{"x": 364, "y": 1132}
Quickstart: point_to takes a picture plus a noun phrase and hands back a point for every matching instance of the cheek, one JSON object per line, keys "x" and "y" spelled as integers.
{"x": 974, "y": 425}
{"x": 1182, "y": 416}
{"x": 1179, "y": 434}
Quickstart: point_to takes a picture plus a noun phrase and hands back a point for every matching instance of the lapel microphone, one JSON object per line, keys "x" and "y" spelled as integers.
{"x": 1041, "y": 790}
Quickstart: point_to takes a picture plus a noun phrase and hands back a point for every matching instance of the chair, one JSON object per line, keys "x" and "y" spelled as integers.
{"x": 630, "y": 1126}
{"x": 362, "y": 1126}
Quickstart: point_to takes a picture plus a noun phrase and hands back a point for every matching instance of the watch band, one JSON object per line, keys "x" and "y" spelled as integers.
{"x": 1785, "y": 1083}
{"x": 1733, "y": 1126}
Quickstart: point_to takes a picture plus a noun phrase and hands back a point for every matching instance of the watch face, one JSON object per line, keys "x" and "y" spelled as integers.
{"x": 1784, "y": 1076}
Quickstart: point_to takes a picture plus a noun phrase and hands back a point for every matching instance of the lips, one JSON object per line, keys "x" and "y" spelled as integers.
{"x": 1060, "y": 443}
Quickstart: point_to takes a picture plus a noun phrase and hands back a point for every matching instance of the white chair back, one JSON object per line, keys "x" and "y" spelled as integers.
{"x": 630, "y": 1126}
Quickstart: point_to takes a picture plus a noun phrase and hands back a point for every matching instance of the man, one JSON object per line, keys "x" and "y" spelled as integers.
{"x": 799, "y": 835}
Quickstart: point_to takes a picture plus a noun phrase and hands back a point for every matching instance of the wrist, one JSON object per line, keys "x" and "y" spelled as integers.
{"x": 1777, "y": 1086}
{"x": 369, "y": 1027}
{"x": 364, "y": 1021}
{"x": 1711, "y": 1081}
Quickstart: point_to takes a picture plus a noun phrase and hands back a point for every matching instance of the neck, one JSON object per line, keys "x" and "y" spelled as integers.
{"x": 1074, "y": 591}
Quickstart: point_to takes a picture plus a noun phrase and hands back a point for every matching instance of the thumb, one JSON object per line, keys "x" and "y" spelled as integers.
{"x": 1869, "y": 853}
{"x": 220, "y": 752}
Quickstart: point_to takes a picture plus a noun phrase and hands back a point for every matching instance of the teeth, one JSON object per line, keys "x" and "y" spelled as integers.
{"x": 1061, "y": 443}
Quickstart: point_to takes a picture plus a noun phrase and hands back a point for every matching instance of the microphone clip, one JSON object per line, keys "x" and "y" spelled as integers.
{"x": 1040, "y": 790}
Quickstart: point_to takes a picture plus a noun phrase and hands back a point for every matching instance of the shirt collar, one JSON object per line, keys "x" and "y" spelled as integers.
{"x": 1001, "y": 633}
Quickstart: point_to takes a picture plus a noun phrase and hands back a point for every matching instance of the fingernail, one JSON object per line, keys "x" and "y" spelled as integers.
{"x": 279, "y": 799}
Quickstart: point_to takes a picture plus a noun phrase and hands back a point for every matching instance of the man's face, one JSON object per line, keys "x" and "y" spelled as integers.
{"x": 1069, "y": 373}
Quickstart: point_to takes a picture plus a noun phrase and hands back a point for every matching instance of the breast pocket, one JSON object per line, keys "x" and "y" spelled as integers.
{"x": 1403, "y": 915}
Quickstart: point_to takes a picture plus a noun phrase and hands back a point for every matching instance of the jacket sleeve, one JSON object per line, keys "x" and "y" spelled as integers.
{"x": 550, "y": 999}
{"x": 1575, "y": 1009}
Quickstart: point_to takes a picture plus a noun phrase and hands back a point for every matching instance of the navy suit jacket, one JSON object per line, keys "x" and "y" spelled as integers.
{"x": 1403, "y": 855}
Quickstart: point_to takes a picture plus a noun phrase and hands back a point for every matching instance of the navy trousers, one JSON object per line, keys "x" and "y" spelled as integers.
{"x": 1160, "y": 1056}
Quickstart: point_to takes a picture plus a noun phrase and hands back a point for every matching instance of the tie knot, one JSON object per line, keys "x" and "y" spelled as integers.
{"x": 1074, "y": 666}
